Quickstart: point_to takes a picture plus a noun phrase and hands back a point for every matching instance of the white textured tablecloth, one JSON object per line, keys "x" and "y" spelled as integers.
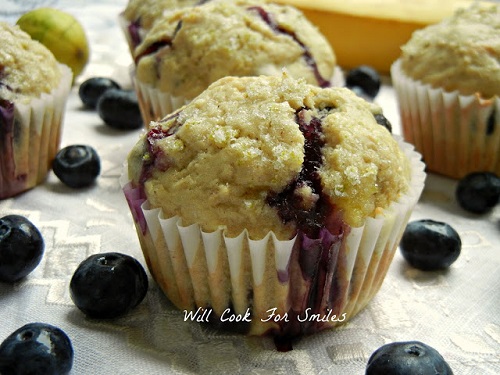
{"x": 456, "y": 311}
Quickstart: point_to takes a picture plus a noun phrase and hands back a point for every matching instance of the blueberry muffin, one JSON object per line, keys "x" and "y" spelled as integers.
{"x": 269, "y": 196}
{"x": 448, "y": 86}
{"x": 189, "y": 49}
{"x": 33, "y": 92}
{"x": 139, "y": 16}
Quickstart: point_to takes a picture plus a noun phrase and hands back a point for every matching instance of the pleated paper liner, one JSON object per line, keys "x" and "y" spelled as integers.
{"x": 271, "y": 286}
{"x": 456, "y": 134}
{"x": 156, "y": 104}
{"x": 30, "y": 138}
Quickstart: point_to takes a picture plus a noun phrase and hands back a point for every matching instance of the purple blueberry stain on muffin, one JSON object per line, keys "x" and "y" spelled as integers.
{"x": 6, "y": 116}
{"x": 154, "y": 48}
{"x": 133, "y": 30}
{"x": 153, "y": 158}
{"x": 7, "y": 137}
{"x": 302, "y": 201}
{"x": 160, "y": 132}
{"x": 278, "y": 29}
{"x": 135, "y": 197}
{"x": 159, "y": 46}
{"x": 491, "y": 123}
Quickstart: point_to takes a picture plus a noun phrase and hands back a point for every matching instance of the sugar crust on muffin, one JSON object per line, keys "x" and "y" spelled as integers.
{"x": 27, "y": 68}
{"x": 193, "y": 47}
{"x": 218, "y": 160}
{"x": 460, "y": 53}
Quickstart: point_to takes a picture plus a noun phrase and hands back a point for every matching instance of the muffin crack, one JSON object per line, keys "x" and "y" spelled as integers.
{"x": 303, "y": 201}
{"x": 152, "y": 158}
{"x": 159, "y": 45}
{"x": 278, "y": 29}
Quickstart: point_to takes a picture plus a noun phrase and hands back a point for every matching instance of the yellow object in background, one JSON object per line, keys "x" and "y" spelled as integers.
{"x": 372, "y": 31}
{"x": 61, "y": 33}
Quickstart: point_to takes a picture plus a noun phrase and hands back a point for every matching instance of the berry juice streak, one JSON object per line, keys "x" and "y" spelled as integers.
{"x": 490, "y": 124}
{"x": 135, "y": 195}
{"x": 289, "y": 205}
{"x": 318, "y": 249}
{"x": 308, "y": 57}
{"x": 10, "y": 183}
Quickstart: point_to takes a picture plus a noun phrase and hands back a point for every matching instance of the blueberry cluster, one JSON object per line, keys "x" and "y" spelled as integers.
{"x": 78, "y": 166}
{"x": 117, "y": 107}
{"x": 432, "y": 245}
{"x": 104, "y": 285}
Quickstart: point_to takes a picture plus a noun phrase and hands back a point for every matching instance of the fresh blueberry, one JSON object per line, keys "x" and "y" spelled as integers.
{"x": 36, "y": 348}
{"x": 406, "y": 358}
{"x": 382, "y": 120}
{"x": 77, "y": 165}
{"x": 478, "y": 192}
{"x": 108, "y": 285}
{"x": 364, "y": 80}
{"x": 21, "y": 247}
{"x": 119, "y": 109}
{"x": 91, "y": 90}
{"x": 430, "y": 245}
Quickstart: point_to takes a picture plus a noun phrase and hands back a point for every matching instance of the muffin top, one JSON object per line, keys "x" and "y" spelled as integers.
{"x": 145, "y": 12}
{"x": 27, "y": 68}
{"x": 190, "y": 48}
{"x": 270, "y": 153}
{"x": 460, "y": 53}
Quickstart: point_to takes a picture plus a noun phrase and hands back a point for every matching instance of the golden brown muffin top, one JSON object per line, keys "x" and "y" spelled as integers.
{"x": 460, "y": 53}
{"x": 266, "y": 153}
{"x": 27, "y": 67}
{"x": 190, "y": 48}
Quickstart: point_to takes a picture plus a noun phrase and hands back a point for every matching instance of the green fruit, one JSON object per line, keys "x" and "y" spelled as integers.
{"x": 61, "y": 33}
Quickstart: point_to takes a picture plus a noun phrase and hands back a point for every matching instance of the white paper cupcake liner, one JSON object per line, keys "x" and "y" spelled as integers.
{"x": 310, "y": 284}
{"x": 30, "y": 141}
{"x": 456, "y": 134}
{"x": 156, "y": 104}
